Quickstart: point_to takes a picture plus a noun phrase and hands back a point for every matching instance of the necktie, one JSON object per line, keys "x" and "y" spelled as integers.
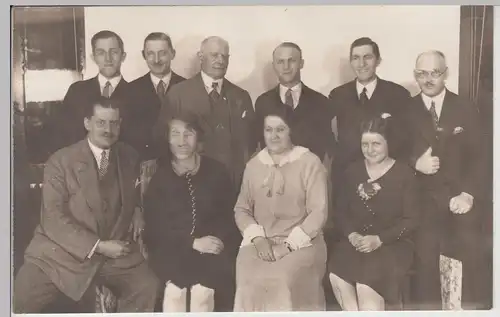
{"x": 434, "y": 115}
{"x": 214, "y": 93}
{"x": 289, "y": 98}
{"x": 161, "y": 89}
{"x": 107, "y": 91}
{"x": 103, "y": 166}
{"x": 363, "y": 97}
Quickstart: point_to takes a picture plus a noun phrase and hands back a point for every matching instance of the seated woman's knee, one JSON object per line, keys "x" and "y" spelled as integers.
{"x": 174, "y": 293}
{"x": 201, "y": 294}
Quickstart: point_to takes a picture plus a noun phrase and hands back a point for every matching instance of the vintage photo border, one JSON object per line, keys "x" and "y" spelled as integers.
{"x": 6, "y": 141}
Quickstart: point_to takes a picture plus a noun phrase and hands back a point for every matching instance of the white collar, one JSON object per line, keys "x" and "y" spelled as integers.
{"x": 296, "y": 92}
{"x": 207, "y": 80}
{"x": 370, "y": 87}
{"x": 156, "y": 80}
{"x": 296, "y": 88}
{"x": 292, "y": 156}
{"x": 438, "y": 99}
{"x": 97, "y": 151}
{"x": 113, "y": 81}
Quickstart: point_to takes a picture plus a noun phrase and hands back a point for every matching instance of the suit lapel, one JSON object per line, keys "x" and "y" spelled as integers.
{"x": 174, "y": 80}
{"x": 236, "y": 109}
{"x": 447, "y": 117}
{"x": 426, "y": 127}
{"x": 302, "y": 97}
{"x": 203, "y": 102}
{"x": 121, "y": 86}
{"x": 148, "y": 84}
{"x": 88, "y": 179}
{"x": 378, "y": 92}
{"x": 95, "y": 87}
{"x": 125, "y": 178}
{"x": 277, "y": 95}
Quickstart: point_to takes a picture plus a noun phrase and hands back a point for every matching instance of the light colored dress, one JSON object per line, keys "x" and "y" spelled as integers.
{"x": 283, "y": 202}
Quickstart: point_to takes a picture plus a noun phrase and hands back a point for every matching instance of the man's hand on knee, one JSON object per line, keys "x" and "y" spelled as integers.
{"x": 113, "y": 248}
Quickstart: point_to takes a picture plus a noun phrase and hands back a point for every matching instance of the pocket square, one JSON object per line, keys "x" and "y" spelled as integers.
{"x": 244, "y": 114}
{"x": 458, "y": 130}
{"x": 385, "y": 115}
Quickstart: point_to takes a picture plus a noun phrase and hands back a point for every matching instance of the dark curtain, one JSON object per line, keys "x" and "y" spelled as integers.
{"x": 476, "y": 83}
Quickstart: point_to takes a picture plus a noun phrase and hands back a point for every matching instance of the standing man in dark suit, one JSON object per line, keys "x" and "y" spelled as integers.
{"x": 224, "y": 110}
{"x": 366, "y": 96}
{"x": 311, "y": 116}
{"x": 108, "y": 53}
{"x": 83, "y": 237}
{"x": 448, "y": 154}
{"x": 146, "y": 94}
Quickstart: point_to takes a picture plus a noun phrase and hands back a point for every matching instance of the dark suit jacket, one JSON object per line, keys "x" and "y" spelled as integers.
{"x": 388, "y": 97}
{"x": 70, "y": 129}
{"x": 70, "y": 217}
{"x": 143, "y": 107}
{"x": 191, "y": 96}
{"x": 460, "y": 147}
{"x": 311, "y": 119}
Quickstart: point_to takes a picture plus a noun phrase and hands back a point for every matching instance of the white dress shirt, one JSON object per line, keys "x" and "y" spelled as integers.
{"x": 296, "y": 92}
{"x": 370, "y": 88}
{"x": 97, "y": 153}
{"x": 438, "y": 102}
{"x": 207, "y": 80}
{"x": 113, "y": 81}
{"x": 156, "y": 80}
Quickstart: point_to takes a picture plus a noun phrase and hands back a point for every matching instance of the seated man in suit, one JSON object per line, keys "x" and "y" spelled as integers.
{"x": 449, "y": 156}
{"x": 224, "y": 110}
{"x": 311, "y": 116}
{"x": 146, "y": 94}
{"x": 366, "y": 96}
{"x": 88, "y": 205}
{"x": 108, "y": 53}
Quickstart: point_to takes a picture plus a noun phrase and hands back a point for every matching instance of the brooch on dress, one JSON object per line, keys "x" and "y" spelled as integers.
{"x": 367, "y": 190}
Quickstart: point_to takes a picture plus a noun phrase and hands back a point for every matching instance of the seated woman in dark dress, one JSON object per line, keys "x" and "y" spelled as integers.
{"x": 190, "y": 232}
{"x": 377, "y": 213}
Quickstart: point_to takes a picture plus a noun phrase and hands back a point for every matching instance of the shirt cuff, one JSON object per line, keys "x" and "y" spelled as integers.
{"x": 91, "y": 253}
{"x": 298, "y": 239}
{"x": 251, "y": 232}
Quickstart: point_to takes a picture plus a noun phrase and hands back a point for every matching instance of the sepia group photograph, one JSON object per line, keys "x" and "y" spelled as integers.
{"x": 252, "y": 158}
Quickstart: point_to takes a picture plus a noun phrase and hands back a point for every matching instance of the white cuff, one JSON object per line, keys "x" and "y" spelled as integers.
{"x": 91, "y": 253}
{"x": 251, "y": 232}
{"x": 298, "y": 239}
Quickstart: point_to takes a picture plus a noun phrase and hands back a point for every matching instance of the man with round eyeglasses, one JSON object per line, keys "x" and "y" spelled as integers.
{"x": 448, "y": 155}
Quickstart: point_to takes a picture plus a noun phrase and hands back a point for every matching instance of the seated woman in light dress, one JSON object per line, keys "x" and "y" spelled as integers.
{"x": 377, "y": 212}
{"x": 281, "y": 210}
{"x": 190, "y": 232}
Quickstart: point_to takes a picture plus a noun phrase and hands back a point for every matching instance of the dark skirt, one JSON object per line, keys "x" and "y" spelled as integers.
{"x": 210, "y": 270}
{"x": 383, "y": 269}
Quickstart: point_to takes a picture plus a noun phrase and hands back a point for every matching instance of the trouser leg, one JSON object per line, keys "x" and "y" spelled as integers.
{"x": 33, "y": 290}
{"x": 136, "y": 288}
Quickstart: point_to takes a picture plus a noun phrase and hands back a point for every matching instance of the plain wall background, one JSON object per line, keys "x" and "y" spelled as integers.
{"x": 324, "y": 32}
